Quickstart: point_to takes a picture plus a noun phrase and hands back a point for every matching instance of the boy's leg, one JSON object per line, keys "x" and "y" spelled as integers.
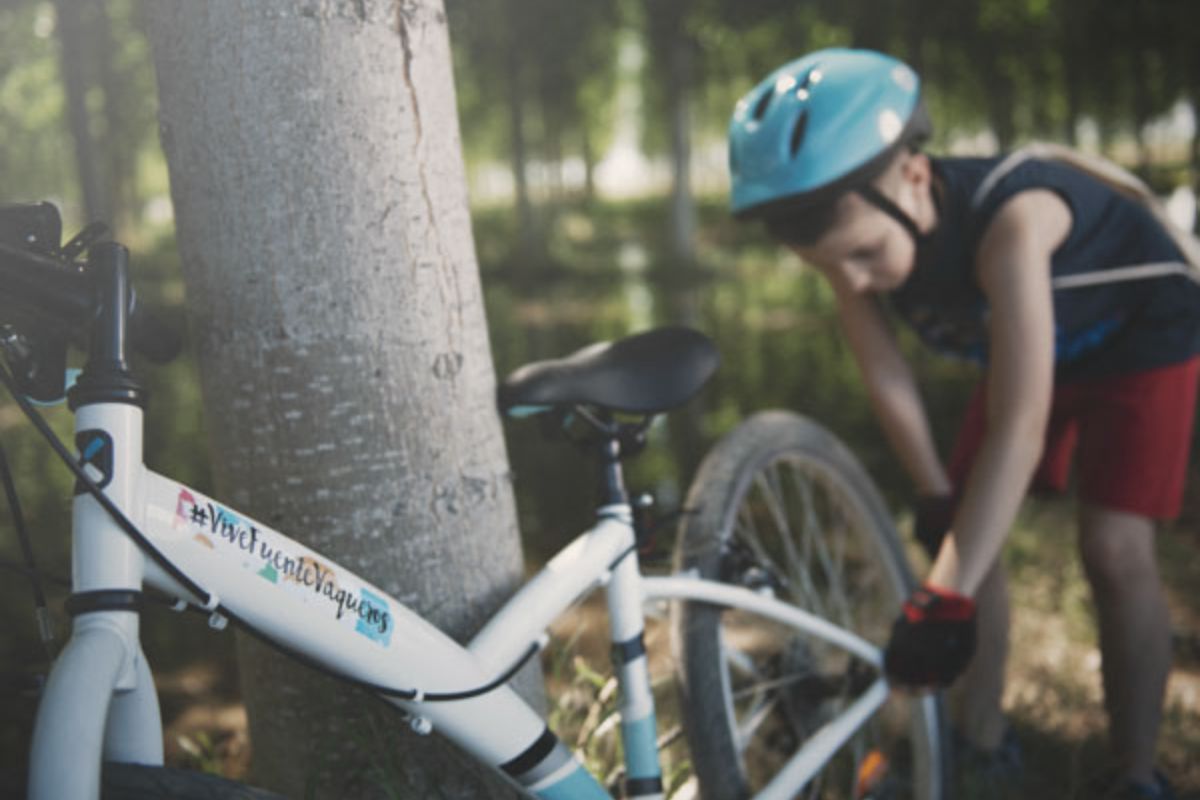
{"x": 1117, "y": 549}
{"x": 977, "y": 696}
{"x": 1134, "y": 447}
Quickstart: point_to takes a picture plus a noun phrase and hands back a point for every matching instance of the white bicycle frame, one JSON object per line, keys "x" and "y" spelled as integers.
{"x": 100, "y": 703}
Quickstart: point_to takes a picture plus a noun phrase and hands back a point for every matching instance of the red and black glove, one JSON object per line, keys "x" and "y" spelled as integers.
{"x": 933, "y": 639}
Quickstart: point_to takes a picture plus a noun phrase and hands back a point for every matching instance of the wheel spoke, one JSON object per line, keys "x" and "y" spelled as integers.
{"x": 801, "y": 518}
{"x": 797, "y": 577}
{"x": 748, "y": 725}
{"x": 814, "y": 532}
{"x": 820, "y": 682}
{"x": 798, "y": 563}
{"x": 747, "y": 533}
{"x": 741, "y": 662}
{"x": 811, "y": 529}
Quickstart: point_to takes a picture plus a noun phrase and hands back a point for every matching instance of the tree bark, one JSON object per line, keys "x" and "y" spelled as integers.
{"x": 337, "y": 319}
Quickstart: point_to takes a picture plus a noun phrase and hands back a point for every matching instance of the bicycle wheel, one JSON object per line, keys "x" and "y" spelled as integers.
{"x": 781, "y": 506}
{"x": 143, "y": 782}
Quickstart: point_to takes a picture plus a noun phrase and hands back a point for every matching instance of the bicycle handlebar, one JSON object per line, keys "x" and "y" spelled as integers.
{"x": 47, "y": 290}
{"x": 58, "y": 297}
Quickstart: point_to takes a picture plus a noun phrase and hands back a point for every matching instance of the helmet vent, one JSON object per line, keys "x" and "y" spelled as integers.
{"x": 798, "y": 132}
{"x": 764, "y": 102}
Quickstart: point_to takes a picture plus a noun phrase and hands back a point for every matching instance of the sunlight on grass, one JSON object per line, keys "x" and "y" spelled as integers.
{"x": 584, "y": 698}
{"x": 1054, "y": 695}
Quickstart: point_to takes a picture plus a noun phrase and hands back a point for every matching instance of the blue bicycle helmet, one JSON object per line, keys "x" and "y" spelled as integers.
{"x": 820, "y": 125}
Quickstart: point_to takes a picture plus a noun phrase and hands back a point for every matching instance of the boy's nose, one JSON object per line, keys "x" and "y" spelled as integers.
{"x": 858, "y": 278}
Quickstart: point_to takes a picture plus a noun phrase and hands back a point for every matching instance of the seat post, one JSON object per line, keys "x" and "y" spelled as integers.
{"x": 612, "y": 475}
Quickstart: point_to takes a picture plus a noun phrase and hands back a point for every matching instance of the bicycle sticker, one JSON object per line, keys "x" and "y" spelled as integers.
{"x": 96, "y": 457}
{"x": 297, "y": 572}
{"x": 378, "y": 628}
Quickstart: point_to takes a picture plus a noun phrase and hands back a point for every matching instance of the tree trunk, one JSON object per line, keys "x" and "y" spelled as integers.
{"x": 683, "y": 206}
{"x": 526, "y": 245}
{"x": 1073, "y": 89}
{"x": 72, "y": 48}
{"x": 118, "y": 149}
{"x": 1143, "y": 110}
{"x": 589, "y": 164}
{"x": 1000, "y": 105}
{"x": 337, "y": 317}
{"x": 1194, "y": 160}
{"x": 671, "y": 48}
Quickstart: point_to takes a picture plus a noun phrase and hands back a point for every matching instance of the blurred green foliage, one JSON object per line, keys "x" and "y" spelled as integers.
{"x": 538, "y": 83}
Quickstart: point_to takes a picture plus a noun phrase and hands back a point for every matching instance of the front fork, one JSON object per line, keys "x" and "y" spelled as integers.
{"x": 100, "y": 702}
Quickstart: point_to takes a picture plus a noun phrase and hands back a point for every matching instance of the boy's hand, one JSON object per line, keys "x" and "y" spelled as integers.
{"x": 933, "y": 639}
{"x": 933, "y": 515}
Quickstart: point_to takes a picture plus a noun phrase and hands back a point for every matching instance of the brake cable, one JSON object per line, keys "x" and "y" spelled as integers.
{"x": 41, "y": 609}
{"x": 118, "y": 516}
{"x": 212, "y": 604}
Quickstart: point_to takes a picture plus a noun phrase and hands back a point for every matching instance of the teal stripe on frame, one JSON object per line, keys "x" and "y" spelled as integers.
{"x": 578, "y": 785}
{"x": 641, "y": 747}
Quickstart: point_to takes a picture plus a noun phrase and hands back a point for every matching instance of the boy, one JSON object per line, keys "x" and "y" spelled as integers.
{"x": 825, "y": 153}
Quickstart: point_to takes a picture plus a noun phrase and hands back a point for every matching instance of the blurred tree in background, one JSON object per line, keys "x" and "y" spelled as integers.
{"x": 538, "y": 81}
{"x": 594, "y": 137}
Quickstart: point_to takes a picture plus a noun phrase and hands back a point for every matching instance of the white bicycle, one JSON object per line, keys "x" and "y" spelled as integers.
{"x": 788, "y": 573}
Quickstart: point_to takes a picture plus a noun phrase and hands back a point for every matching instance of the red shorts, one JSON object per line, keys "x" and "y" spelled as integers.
{"x": 1133, "y": 432}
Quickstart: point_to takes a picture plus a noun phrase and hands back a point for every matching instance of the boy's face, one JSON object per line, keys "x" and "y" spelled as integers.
{"x": 867, "y": 250}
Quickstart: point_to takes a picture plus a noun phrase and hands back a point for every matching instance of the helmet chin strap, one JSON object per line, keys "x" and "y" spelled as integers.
{"x": 884, "y": 203}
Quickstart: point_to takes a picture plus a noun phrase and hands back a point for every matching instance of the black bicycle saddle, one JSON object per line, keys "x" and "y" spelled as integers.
{"x": 647, "y": 373}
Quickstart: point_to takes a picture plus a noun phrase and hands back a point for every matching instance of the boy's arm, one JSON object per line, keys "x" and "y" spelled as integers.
{"x": 892, "y": 389}
{"x": 1014, "y": 272}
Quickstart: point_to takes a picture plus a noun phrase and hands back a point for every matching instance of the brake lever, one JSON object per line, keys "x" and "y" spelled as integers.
{"x": 83, "y": 240}
{"x": 38, "y": 366}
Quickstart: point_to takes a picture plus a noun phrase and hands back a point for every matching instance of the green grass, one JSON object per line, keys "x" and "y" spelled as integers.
{"x": 1054, "y": 696}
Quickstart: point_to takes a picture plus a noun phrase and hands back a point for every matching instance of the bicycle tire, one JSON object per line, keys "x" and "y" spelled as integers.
{"x": 144, "y": 782}
{"x": 752, "y": 690}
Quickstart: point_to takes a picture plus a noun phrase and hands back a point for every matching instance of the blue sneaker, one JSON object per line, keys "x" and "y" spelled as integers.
{"x": 1160, "y": 789}
{"x": 988, "y": 774}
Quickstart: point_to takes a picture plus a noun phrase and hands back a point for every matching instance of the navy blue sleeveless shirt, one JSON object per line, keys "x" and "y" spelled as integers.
{"x": 1099, "y": 330}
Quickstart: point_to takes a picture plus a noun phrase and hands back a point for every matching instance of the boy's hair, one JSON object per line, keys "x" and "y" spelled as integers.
{"x": 802, "y": 224}
{"x": 802, "y": 221}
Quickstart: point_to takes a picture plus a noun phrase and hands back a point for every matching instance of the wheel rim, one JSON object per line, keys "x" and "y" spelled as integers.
{"x": 798, "y": 533}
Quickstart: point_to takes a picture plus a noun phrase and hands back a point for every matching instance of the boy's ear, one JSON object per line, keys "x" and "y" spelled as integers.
{"x": 915, "y": 168}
